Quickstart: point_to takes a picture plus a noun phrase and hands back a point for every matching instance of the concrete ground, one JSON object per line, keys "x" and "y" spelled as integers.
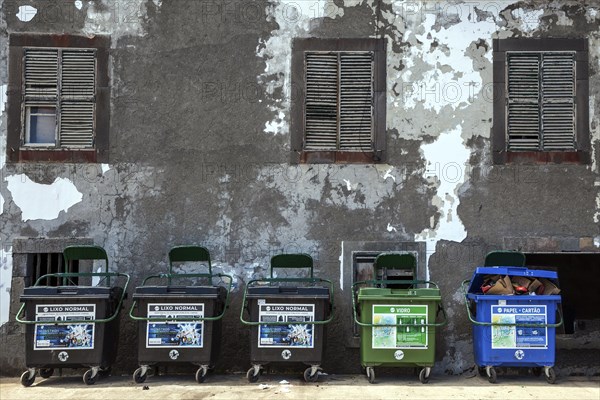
{"x": 293, "y": 387}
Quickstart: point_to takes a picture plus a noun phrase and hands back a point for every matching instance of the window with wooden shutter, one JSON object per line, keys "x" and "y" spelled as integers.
{"x": 339, "y": 101}
{"x": 541, "y": 101}
{"x": 59, "y": 97}
{"x": 340, "y": 113}
{"x": 58, "y": 108}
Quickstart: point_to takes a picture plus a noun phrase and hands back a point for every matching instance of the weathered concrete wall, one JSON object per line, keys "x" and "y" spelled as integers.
{"x": 200, "y": 138}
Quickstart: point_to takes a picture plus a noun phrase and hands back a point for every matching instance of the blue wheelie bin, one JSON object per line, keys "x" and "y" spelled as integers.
{"x": 512, "y": 329}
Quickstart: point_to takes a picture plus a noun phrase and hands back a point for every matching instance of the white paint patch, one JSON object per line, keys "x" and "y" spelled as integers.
{"x": 390, "y": 228}
{"x": 459, "y": 83}
{"x": 276, "y": 126}
{"x": 348, "y": 184}
{"x": 3, "y": 98}
{"x": 116, "y": 18}
{"x": 446, "y": 159}
{"x": 105, "y": 168}
{"x": 597, "y": 241}
{"x": 26, "y": 13}
{"x": 295, "y": 18}
{"x": 96, "y": 279}
{"x": 591, "y": 14}
{"x": 341, "y": 258}
{"x": 388, "y": 174}
{"x": 530, "y": 19}
{"x": 5, "y": 282}
{"x": 78, "y": 4}
{"x": 38, "y": 201}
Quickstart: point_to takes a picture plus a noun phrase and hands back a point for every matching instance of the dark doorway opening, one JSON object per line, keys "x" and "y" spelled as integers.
{"x": 579, "y": 278}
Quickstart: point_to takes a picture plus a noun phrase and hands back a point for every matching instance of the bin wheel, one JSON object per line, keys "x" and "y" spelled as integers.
{"x": 310, "y": 378}
{"x": 46, "y": 372}
{"x": 550, "y": 375}
{"x": 371, "y": 374}
{"x": 88, "y": 379}
{"x": 536, "y": 371}
{"x": 252, "y": 378}
{"x": 26, "y": 380}
{"x": 138, "y": 377}
{"x": 201, "y": 375}
{"x": 423, "y": 377}
{"x": 491, "y": 373}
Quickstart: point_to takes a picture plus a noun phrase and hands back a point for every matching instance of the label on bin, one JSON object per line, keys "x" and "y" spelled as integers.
{"x": 174, "y": 333}
{"x": 401, "y": 337}
{"x": 294, "y": 334}
{"x": 515, "y": 337}
{"x": 55, "y": 332}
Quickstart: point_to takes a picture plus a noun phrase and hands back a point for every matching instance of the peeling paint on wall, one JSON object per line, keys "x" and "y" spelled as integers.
{"x": 26, "y": 13}
{"x": 446, "y": 159}
{"x": 5, "y": 280}
{"x": 116, "y": 18}
{"x": 38, "y": 201}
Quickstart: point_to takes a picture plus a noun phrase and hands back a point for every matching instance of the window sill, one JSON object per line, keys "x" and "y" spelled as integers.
{"x": 55, "y": 155}
{"x": 336, "y": 157}
{"x": 542, "y": 157}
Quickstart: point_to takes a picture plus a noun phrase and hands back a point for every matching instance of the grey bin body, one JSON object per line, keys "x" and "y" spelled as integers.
{"x": 213, "y": 298}
{"x": 317, "y": 296}
{"x": 105, "y": 337}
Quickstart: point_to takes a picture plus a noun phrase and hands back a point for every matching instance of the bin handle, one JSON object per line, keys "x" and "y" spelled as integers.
{"x": 475, "y": 322}
{"x": 65, "y": 275}
{"x": 292, "y": 261}
{"x": 273, "y": 280}
{"x": 169, "y": 276}
{"x": 355, "y": 306}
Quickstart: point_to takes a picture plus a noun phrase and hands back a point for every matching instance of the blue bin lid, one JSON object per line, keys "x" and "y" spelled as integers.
{"x": 481, "y": 272}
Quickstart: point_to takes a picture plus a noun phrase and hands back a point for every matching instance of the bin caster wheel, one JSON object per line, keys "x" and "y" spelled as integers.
{"x": 138, "y": 377}
{"x": 424, "y": 376}
{"x": 46, "y": 372}
{"x": 89, "y": 378}
{"x": 310, "y": 378}
{"x": 491, "y": 373}
{"x": 201, "y": 375}
{"x": 251, "y": 376}
{"x": 550, "y": 375}
{"x": 26, "y": 380}
{"x": 371, "y": 374}
{"x": 536, "y": 371}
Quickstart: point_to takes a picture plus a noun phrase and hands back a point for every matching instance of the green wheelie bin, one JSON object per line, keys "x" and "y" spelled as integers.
{"x": 398, "y": 325}
{"x": 72, "y": 325}
{"x": 180, "y": 324}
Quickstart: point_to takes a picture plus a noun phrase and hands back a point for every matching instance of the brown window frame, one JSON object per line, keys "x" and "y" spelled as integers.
{"x": 298, "y": 153}
{"x": 16, "y": 151}
{"x": 582, "y": 153}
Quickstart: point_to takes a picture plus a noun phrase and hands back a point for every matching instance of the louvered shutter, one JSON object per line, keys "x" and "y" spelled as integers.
{"x": 338, "y": 101}
{"x": 558, "y": 101}
{"x": 77, "y": 98}
{"x": 541, "y": 101}
{"x": 356, "y": 101}
{"x": 523, "y": 114}
{"x": 321, "y": 101}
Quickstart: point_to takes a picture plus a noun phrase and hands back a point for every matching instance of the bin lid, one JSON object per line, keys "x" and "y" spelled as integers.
{"x": 370, "y": 293}
{"x": 288, "y": 291}
{"x": 42, "y": 292}
{"x": 178, "y": 291}
{"x": 481, "y": 272}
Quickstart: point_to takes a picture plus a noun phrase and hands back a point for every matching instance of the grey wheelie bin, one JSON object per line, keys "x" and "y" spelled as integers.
{"x": 288, "y": 321}
{"x": 180, "y": 324}
{"x": 72, "y": 326}
{"x": 397, "y": 317}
